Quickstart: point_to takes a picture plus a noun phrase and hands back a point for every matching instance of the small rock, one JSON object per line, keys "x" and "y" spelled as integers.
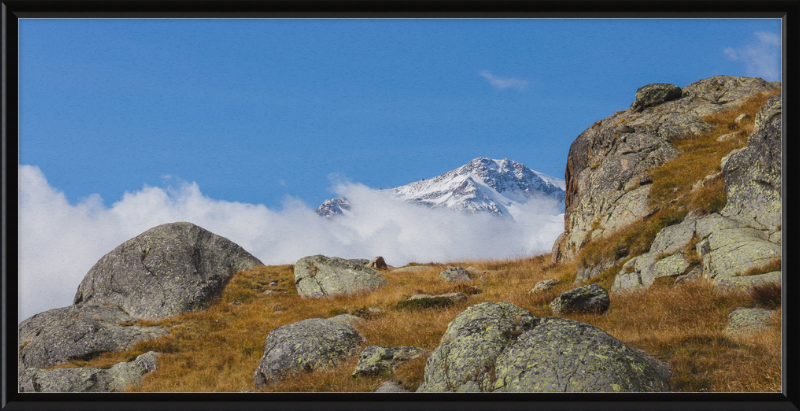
{"x": 391, "y": 386}
{"x": 378, "y": 359}
{"x": 273, "y": 284}
{"x": 726, "y": 137}
{"x": 654, "y": 94}
{"x": 454, "y": 297}
{"x": 544, "y": 285}
{"x": 321, "y": 276}
{"x": 378, "y": 263}
{"x": 742, "y": 117}
{"x": 748, "y": 320}
{"x": 374, "y": 310}
{"x": 455, "y": 274}
{"x": 590, "y": 298}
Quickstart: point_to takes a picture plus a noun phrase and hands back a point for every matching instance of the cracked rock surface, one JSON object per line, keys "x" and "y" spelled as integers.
{"x": 77, "y": 332}
{"x": 114, "y": 379}
{"x": 320, "y": 276}
{"x": 501, "y": 347}
{"x": 164, "y": 271}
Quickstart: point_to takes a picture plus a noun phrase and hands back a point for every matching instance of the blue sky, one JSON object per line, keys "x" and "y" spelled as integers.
{"x": 254, "y": 110}
{"x": 245, "y": 126}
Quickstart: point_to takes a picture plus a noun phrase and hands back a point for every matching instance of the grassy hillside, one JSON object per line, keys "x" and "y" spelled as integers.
{"x": 219, "y": 349}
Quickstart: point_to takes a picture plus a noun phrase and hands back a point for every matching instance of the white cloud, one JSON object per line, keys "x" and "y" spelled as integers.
{"x": 503, "y": 83}
{"x": 761, "y": 58}
{"x": 60, "y": 242}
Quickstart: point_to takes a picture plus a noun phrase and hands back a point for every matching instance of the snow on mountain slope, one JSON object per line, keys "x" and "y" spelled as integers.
{"x": 498, "y": 187}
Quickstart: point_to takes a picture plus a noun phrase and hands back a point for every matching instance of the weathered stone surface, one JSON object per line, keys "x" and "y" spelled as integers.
{"x": 753, "y": 174}
{"x": 115, "y": 379}
{"x": 736, "y": 250}
{"x": 671, "y": 266}
{"x": 377, "y": 263}
{"x": 455, "y": 274}
{"x": 655, "y": 94}
{"x": 587, "y": 273}
{"x": 590, "y": 298}
{"x": 607, "y": 160}
{"x": 745, "y": 283}
{"x": 694, "y": 275}
{"x": 305, "y": 345}
{"x": 359, "y": 261}
{"x": 164, "y": 271}
{"x": 454, "y": 297}
{"x": 391, "y": 386}
{"x": 320, "y": 276}
{"x": 745, "y": 320}
{"x": 544, "y": 285}
{"x": 379, "y": 359}
{"x": 348, "y": 319}
{"x": 501, "y": 347}
{"x": 77, "y": 332}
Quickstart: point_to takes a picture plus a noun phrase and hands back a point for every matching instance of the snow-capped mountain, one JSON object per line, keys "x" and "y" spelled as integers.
{"x": 499, "y": 187}
{"x": 336, "y": 206}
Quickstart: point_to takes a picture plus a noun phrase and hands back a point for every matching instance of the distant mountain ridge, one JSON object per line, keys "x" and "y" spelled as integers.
{"x": 498, "y": 187}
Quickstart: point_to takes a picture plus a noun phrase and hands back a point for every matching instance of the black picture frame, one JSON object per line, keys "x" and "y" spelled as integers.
{"x": 13, "y": 10}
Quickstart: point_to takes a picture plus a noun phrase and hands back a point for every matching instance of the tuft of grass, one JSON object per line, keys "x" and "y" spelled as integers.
{"x": 773, "y": 265}
{"x": 767, "y": 295}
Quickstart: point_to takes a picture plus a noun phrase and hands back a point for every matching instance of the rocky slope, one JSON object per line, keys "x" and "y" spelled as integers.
{"x": 482, "y": 185}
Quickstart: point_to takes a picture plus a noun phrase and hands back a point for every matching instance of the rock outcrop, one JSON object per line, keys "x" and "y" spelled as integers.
{"x": 377, "y": 263}
{"x": 115, "y": 379}
{"x": 319, "y": 276}
{"x": 607, "y": 164}
{"x": 78, "y": 332}
{"x": 590, "y": 298}
{"x": 306, "y": 345}
{"x": 501, "y": 347}
{"x": 379, "y": 359}
{"x": 745, "y": 320}
{"x": 164, "y": 271}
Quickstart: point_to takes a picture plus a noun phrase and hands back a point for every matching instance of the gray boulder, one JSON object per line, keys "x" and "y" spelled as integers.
{"x": 590, "y": 298}
{"x": 78, "y": 332}
{"x": 379, "y": 359}
{"x": 753, "y": 175}
{"x": 115, "y": 379}
{"x": 455, "y": 274}
{"x": 501, "y": 347}
{"x": 164, "y": 271}
{"x": 654, "y": 94}
{"x": 454, "y": 297}
{"x": 743, "y": 284}
{"x": 320, "y": 276}
{"x": 543, "y": 286}
{"x": 744, "y": 320}
{"x": 391, "y": 386}
{"x": 306, "y": 345}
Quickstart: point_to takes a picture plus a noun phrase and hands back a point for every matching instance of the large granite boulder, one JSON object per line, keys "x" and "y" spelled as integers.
{"x": 115, "y": 379}
{"x": 455, "y": 274}
{"x": 654, "y": 94}
{"x": 78, "y": 332}
{"x": 306, "y": 345}
{"x": 753, "y": 175}
{"x": 607, "y": 163}
{"x": 379, "y": 359}
{"x": 164, "y": 271}
{"x": 501, "y": 347}
{"x": 591, "y": 298}
{"x": 320, "y": 276}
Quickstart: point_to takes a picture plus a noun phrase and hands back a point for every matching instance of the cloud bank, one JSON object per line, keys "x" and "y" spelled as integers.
{"x": 761, "y": 58}
{"x": 60, "y": 242}
{"x": 501, "y": 83}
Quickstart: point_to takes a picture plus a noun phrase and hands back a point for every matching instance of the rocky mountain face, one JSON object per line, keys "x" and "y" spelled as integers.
{"x": 482, "y": 185}
{"x": 607, "y": 183}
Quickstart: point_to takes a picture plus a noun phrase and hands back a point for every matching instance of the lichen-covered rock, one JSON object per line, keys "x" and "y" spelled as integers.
{"x": 117, "y": 378}
{"x": 753, "y": 174}
{"x": 378, "y": 263}
{"x": 743, "y": 284}
{"x": 655, "y": 94}
{"x": 503, "y": 348}
{"x": 164, "y": 271}
{"x": 379, "y": 359}
{"x": 590, "y": 298}
{"x": 76, "y": 332}
{"x": 454, "y": 297}
{"x": 306, "y": 345}
{"x": 320, "y": 276}
{"x": 744, "y": 320}
{"x": 544, "y": 285}
{"x": 455, "y": 274}
{"x": 391, "y": 386}
{"x": 734, "y": 251}
{"x": 587, "y": 273}
{"x": 607, "y": 162}
{"x": 561, "y": 355}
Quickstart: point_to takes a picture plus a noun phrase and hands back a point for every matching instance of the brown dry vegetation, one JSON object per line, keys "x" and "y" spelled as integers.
{"x": 218, "y": 350}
